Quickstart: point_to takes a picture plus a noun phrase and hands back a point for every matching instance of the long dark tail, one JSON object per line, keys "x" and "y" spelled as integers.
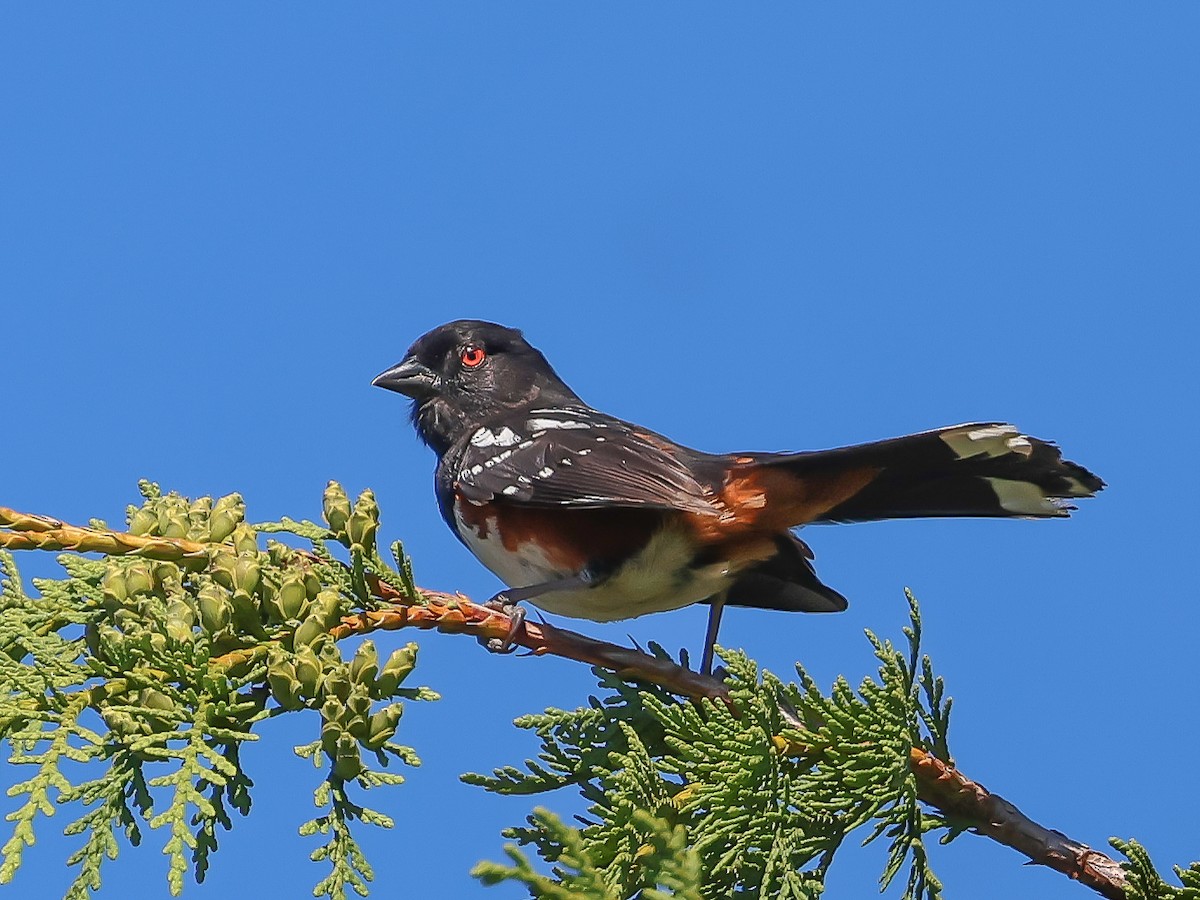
{"x": 984, "y": 469}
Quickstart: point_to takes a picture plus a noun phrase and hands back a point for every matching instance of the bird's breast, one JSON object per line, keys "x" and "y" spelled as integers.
{"x": 519, "y": 556}
{"x": 640, "y": 560}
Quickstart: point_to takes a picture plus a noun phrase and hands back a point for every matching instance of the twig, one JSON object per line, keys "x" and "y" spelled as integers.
{"x": 939, "y": 783}
{"x": 943, "y": 786}
{"x": 30, "y": 532}
{"x": 455, "y": 614}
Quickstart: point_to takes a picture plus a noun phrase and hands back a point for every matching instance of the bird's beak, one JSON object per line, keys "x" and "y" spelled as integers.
{"x": 411, "y": 378}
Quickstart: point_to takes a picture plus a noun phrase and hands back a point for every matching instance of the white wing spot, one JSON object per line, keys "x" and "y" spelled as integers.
{"x": 510, "y": 490}
{"x": 545, "y": 472}
{"x": 498, "y": 458}
{"x": 485, "y": 437}
{"x": 549, "y": 424}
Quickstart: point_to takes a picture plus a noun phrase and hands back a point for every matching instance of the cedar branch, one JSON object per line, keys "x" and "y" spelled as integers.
{"x": 940, "y": 784}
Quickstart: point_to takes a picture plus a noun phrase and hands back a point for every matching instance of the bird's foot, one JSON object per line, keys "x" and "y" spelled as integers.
{"x": 516, "y": 614}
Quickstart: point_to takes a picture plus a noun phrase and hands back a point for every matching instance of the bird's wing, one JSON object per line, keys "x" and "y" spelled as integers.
{"x": 579, "y": 458}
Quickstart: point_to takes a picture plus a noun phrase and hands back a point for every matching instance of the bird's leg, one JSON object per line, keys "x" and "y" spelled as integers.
{"x": 716, "y": 606}
{"x": 506, "y": 602}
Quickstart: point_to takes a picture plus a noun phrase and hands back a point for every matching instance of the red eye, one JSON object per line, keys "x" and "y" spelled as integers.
{"x": 473, "y": 356}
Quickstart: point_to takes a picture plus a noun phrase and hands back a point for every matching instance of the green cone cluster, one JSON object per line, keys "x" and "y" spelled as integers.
{"x": 129, "y": 686}
{"x": 180, "y": 659}
{"x": 314, "y": 676}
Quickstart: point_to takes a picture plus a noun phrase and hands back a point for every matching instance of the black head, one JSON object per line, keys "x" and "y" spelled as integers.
{"x": 463, "y": 373}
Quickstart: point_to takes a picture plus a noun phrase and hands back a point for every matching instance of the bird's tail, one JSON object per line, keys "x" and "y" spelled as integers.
{"x": 983, "y": 469}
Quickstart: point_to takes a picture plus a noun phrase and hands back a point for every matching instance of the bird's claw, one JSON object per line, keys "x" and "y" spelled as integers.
{"x": 516, "y": 615}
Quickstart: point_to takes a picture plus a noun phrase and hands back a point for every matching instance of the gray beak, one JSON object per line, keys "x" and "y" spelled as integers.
{"x": 411, "y": 378}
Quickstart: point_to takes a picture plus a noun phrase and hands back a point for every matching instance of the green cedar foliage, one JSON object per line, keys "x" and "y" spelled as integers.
{"x": 1146, "y": 884}
{"x": 154, "y": 673}
{"x": 764, "y": 797}
{"x": 146, "y": 668}
{"x": 761, "y": 800}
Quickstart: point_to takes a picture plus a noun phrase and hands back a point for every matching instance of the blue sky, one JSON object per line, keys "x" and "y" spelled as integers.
{"x": 756, "y": 227}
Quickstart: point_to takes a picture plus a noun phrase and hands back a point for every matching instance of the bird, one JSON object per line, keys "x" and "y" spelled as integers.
{"x": 589, "y": 516}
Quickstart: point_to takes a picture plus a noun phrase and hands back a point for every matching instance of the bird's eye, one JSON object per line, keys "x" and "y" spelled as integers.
{"x": 472, "y": 356}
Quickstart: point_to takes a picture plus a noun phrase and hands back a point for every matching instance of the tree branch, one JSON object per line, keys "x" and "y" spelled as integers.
{"x": 30, "y": 532}
{"x": 943, "y": 786}
{"x": 940, "y": 784}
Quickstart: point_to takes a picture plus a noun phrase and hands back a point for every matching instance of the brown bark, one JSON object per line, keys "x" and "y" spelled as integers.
{"x": 940, "y": 784}
{"x": 943, "y": 786}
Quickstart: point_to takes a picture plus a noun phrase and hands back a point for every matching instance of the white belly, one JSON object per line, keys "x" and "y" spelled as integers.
{"x": 520, "y": 568}
{"x": 659, "y": 578}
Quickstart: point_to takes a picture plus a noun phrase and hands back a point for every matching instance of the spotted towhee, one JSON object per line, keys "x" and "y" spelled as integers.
{"x": 589, "y": 516}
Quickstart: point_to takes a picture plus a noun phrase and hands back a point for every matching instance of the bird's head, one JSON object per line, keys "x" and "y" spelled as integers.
{"x": 463, "y": 373}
